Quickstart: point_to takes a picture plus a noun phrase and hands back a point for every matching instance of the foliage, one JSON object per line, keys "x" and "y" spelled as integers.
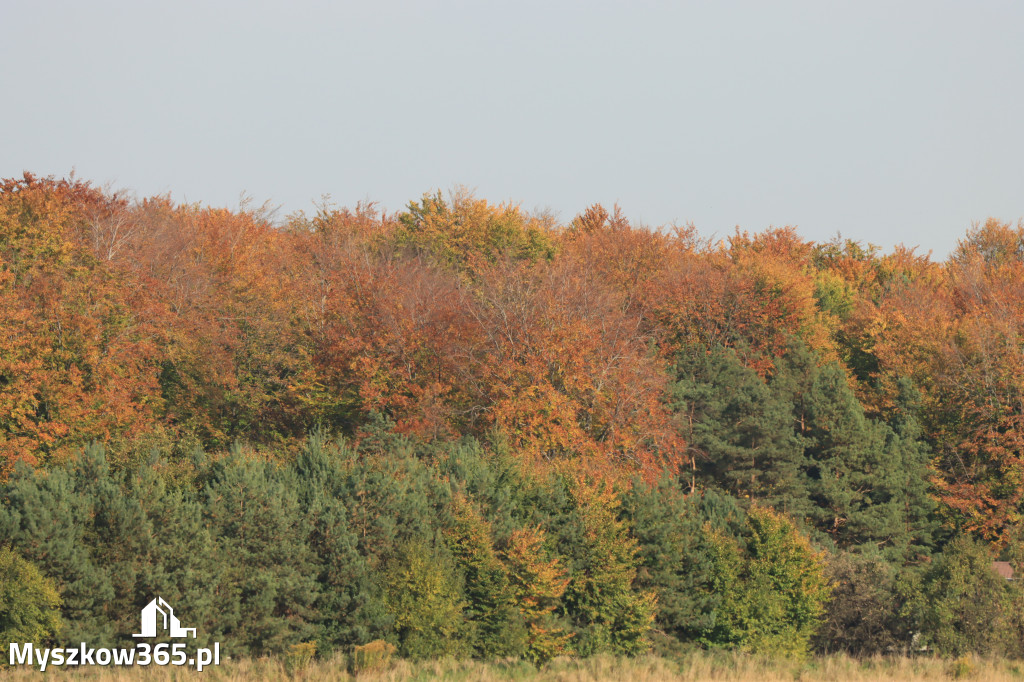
{"x": 774, "y": 592}
{"x": 538, "y": 582}
{"x": 607, "y": 614}
{"x": 499, "y": 628}
{"x": 677, "y": 559}
{"x": 424, "y": 594}
{"x": 556, "y": 438}
{"x": 371, "y": 657}
{"x": 865, "y": 614}
{"x": 965, "y": 605}
{"x": 29, "y": 603}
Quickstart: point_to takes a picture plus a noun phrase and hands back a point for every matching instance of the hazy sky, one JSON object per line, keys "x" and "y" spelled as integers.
{"x": 887, "y": 121}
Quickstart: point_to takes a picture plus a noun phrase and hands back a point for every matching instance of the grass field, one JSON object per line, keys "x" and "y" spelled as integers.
{"x": 727, "y": 668}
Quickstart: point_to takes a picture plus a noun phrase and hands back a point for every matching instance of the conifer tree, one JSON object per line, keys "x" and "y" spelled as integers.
{"x": 676, "y": 559}
{"x": 607, "y": 614}
{"x": 351, "y": 608}
{"x": 739, "y": 431}
{"x": 855, "y": 470}
{"x": 498, "y": 628}
{"x": 538, "y": 582}
{"x": 268, "y": 591}
{"x": 46, "y": 519}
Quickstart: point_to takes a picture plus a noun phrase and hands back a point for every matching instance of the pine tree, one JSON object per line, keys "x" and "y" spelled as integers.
{"x": 268, "y": 591}
{"x": 854, "y": 470}
{"x": 351, "y": 608}
{"x": 46, "y": 519}
{"x": 739, "y": 430}
{"x": 676, "y": 558}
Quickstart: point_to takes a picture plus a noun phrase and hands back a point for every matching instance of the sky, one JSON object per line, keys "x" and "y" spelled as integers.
{"x": 888, "y": 122}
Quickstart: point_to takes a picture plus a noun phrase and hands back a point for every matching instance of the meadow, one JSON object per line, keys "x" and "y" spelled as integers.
{"x": 724, "y": 667}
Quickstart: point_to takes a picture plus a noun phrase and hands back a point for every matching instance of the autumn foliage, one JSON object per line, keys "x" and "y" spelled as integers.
{"x": 141, "y": 321}
{"x": 467, "y": 429}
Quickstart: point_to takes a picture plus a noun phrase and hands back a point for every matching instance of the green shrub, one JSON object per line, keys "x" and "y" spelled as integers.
{"x": 424, "y": 594}
{"x": 29, "y": 603}
{"x": 774, "y": 593}
{"x": 964, "y": 604}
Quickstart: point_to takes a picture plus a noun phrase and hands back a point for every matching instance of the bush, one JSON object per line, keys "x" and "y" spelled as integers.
{"x": 299, "y": 657}
{"x": 29, "y": 603}
{"x": 372, "y": 657}
{"x": 965, "y": 605}
{"x": 863, "y": 617}
{"x": 774, "y": 594}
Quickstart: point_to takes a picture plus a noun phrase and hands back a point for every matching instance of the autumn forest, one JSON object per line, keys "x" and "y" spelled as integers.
{"x": 466, "y": 429}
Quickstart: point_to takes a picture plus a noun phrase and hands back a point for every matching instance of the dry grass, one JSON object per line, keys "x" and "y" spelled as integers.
{"x": 722, "y": 667}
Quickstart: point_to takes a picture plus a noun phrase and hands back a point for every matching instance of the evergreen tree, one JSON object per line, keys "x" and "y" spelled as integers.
{"x": 268, "y": 591}
{"x": 46, "y": 518}
{"x": 498, "y": 628}
{"x": 676, "y": 559}
{"x": 964, "y": 604}
{"x": 114, "y": 541}
{"x": 351, "y": 608}
{"x": 740, "y": 432}
{"x": 855, "y": 468}
{"x": 608, "y": 615}
{"x": 178, "y": 557}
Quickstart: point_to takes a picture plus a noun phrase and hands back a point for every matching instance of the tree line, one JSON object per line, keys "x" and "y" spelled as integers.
{"x": 466, "y": 429}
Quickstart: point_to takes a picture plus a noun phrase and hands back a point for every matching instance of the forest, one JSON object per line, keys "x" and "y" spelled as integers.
{"x": 467, "y": 430}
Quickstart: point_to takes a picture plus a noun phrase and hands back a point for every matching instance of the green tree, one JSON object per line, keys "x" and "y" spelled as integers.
{"x": 774, "y": 592}
{"x": 268, "y": 591}
{"x": 29, "y": 603}
{"x": 856, "y": 471}
{"x": 498, "y": 627}
{"x": 351, "y": 608}
{"x": 112, "y": 541}
{"x": 740, "y": 432}
{"x": 676, "y": 559}
{"x": 964, "y": 604}
{"x": 607, "y": 613}
{"x": 45, "y": 518}
{"x": 424, "y": 594}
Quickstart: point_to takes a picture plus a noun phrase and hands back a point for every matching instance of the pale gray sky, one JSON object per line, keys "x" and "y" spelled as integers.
{"x": 887, "y": 121}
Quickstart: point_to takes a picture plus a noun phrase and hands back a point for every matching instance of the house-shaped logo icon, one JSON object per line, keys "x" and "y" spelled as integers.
{"x": 159, "y": 610}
